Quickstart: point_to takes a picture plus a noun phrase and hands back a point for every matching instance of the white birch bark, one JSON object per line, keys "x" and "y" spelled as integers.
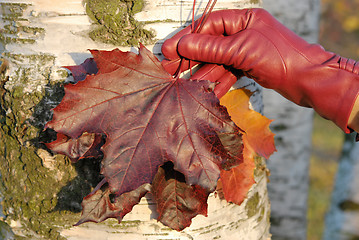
{"x": 289, "y": 166}
{"x": 342, "y": 220}
{"x": 64, "y": 38}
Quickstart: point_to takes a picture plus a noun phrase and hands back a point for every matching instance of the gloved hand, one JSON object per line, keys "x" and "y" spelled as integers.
{"x": 253, "y": 41}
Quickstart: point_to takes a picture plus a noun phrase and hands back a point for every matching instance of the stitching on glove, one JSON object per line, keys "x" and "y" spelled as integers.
{"x": 349, "y": 65}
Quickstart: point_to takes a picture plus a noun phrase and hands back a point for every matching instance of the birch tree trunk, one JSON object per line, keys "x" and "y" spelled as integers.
{"x": 289, "y": 166}
{"x": 41, "y": 193}
{"x": 342, "y": 220}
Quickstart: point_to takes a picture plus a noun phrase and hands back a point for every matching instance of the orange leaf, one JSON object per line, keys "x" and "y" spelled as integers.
{"x": 237, "y": 181}
{"x": 257, "y": 138}
{"x": 254, "y": 125}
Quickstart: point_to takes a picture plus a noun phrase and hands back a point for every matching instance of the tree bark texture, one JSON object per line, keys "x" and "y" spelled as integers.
{"x": 289, "y": 166}
{"x": 41, "y": 192}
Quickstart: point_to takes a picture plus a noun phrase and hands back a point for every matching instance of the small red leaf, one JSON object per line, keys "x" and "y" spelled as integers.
{"x": 87, "y": 145}
{"x": 233, "y": 144}
{"x": 100, "y": 205}
{"x": 80, "y": 72}
{"x": 177, "y": 202}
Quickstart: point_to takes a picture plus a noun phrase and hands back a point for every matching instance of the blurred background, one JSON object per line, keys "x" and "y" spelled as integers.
{"x": 339, "y": 33}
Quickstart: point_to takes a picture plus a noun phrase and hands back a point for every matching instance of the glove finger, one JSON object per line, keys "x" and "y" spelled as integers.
{"x": 172, "y": 66}
{"x": 225, "y": 83}
{"x": 224, "y": 77}
{"x": 169, "y": 47}
{"x": 210, "y": 72}
{"x": 219, "y": 23}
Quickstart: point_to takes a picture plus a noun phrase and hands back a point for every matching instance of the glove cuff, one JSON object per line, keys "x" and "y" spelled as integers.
{"x": 342, "y": 116}
{"x": 330, "y": 89}
{"x": 349, "y": 99}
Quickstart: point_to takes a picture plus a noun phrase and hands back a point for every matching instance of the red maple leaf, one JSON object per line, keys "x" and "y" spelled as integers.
{"x": 80, "y": 72}
{"x": 177, "y": 202}
{"x": 148, "y": 117}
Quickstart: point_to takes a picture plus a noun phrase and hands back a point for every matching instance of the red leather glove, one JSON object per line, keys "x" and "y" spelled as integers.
{"x": 253, "y": 41}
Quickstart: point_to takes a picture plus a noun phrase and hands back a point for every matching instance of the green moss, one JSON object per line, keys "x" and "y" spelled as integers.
{"x": 32, "y": 30}
{"x": 252, "y": 207}
{"x": 18, "y": 92}
{"x": 62, "y": 73}
{"x": 166, "y": 229}
{"x": 115, "y": 24}
{"x": 41, "y": 198}
{"x": 261, "y": 167}
{"x": 128, "y": 224}
{"x": 26, "y": 182}
{"x": 11, "y": 29}
{"x": 157, "y": 21}
{"x": 137, "y": 6}
{"x": 8, "y": 40}
{"x": 13, "y": 10}
{"x": 262, "y": 214}
{"x": 155, "y": 234}
{"x": 254, "y": 1}
{"x": 12, "y": 17}
{"x": 206, "y": 227}
{"x": 216, "y": 229}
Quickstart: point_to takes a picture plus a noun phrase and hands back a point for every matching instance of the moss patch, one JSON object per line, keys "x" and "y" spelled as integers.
{"x": 254, "y": 1}
{"x": 41, "y": 190}
{"x": 252, "y": 205}
{"x": 114, "y": 22}
{"x": 15, "y": 25}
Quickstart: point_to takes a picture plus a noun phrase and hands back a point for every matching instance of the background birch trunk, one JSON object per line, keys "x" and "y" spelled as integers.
{"x": 42, "y": 192}
{"x": 289, "y": 166}
{"x": 342, "y": 221}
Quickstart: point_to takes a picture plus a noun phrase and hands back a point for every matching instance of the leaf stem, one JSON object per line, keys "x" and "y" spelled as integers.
{"x": 207, "y": 11}
{"x": 99, "y": 185}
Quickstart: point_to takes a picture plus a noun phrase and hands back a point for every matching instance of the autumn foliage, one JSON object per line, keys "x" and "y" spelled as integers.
{"x": 168, "y": 136}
